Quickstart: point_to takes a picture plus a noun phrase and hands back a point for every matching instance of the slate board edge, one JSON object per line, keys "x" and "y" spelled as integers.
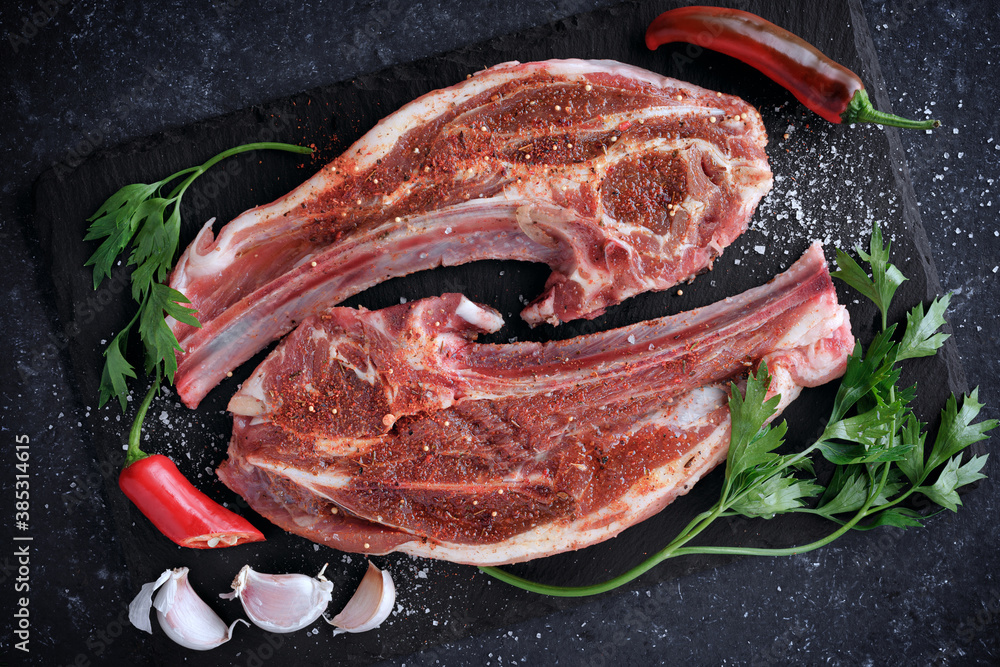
{"x": 876, "y": 85}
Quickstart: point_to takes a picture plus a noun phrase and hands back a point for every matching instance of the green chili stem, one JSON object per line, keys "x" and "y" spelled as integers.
{"x": 860, "y": 110}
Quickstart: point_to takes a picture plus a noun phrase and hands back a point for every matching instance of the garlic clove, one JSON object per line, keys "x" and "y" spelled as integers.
{"x": 183, "y": 616}
{"x": 138, "y": 609}
{"x": 370, "y": 605}
{"x": 281, "y": 602}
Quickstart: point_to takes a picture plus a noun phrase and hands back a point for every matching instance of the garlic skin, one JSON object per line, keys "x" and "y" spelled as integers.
{"x": 138, "y": 609}
{"x": 369, "y": 606}
{"x": 183, "y": 616}
{"x": 281, "y": 602}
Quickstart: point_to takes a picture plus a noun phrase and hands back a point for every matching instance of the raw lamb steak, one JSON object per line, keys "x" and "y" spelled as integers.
{"x": 378, "y": 431}
{"x": 621, "y": 180}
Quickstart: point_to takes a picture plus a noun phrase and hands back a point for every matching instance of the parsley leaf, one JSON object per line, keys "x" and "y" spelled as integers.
{"x": 969, "y": 472}
{"x": 957, "y": 429}
{"x": 155, "y": 243}
{"x": 848, "y": 489}
{"x": 920, "y": 339}
{"x": 774, "y": 495}
{"x": 956, "y": 433}
{"x": 117, "y": 371}
{"x": 750, "y": 441}
{"x": 868, "y": 429}
{"x": 159, "y": 340}
{"x": 885, "y": 277}
{"x": 115, "y": 221}
{"x": 943, "y": 491}
{"x": 757, "y": 484}
{"x": 912, "y": 464}
{"x": 899, "y": 517}
{"x": 865, "y": 371}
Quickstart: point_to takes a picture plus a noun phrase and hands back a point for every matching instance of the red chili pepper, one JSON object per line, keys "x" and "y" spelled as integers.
{"x": 180, "y": 511}
{"x": 824, "y": 86}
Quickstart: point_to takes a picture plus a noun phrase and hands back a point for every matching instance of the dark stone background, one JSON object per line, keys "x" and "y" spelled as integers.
{"x": 83, "y": 80}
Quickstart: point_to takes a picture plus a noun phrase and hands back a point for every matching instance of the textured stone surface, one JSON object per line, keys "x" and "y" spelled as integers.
{"x": 99, "y": 74}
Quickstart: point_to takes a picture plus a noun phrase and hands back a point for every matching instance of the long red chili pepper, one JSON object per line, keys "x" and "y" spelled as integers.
{"x": 827, "y": 87}
{"x": 180, "y": 511}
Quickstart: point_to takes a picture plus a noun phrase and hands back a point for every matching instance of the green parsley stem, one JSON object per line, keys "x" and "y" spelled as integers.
{"x": 695, "y": 527}
{"x": 677, "y": 548}
{"x": 195, "y": 173}
{"x": 260, "y": 145}
{"x": 701, "y": 522}
{"x": 791, "y": 551}
{"x": 125, "y": 330}
{"x": 134, "y": 452}
{"x": 245, "y": 148}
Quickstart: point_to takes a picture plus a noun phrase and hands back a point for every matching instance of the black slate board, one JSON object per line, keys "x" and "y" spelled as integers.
{"x": 840, "y": 185}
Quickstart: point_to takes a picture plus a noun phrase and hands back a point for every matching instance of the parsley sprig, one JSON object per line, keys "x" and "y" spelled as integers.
{"x": 147, "y": 217}
{"x": 876, "y": 443}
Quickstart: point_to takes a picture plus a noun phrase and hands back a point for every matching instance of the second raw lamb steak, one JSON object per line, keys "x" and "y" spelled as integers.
{"x": 375, "y": 431}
